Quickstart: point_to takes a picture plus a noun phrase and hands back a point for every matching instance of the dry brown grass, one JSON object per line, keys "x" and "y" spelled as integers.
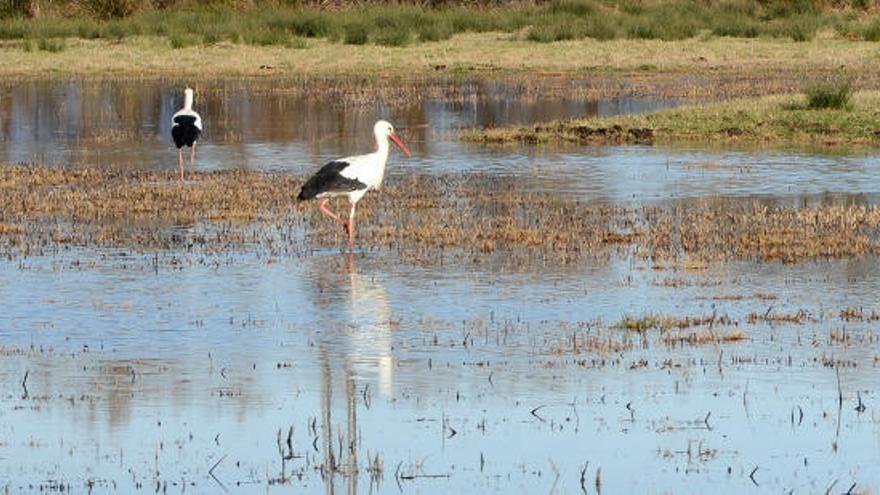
{"x": 770, "y": 316}
{"x": 693, "y": 68}
{"x": 466, "y": 217}
{"x": 852, "y": 313}
{"x": 702, "y": 337}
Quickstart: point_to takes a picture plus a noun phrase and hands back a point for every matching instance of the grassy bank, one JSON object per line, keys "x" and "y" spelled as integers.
{"x": 724, "y": 61}
{"x": 282, "y": 23}
{"x": 778, "y": 119}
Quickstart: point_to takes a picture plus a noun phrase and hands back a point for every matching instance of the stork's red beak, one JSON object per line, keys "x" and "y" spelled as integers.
{"x": 396, "y": 140}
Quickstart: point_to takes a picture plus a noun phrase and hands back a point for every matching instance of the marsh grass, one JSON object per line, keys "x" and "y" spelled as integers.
{"x": 45, "y": 208}
{"x": 559, "y": 20}
{"x": 831, "y": 116}
{"x": 644, "y": 323}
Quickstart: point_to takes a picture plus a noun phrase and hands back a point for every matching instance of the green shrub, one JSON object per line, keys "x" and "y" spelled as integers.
{"x": 393, "y": 37}
{"x": 89, "y": 31}
{"x": 312, "y": 25}
{"x": 548, "y": 33}
{"x": 120, "y": 30}
{"x": 182, "y": 40}
{"x": 51, "y": 45}
{"x": 798, "y": 28}
{"x": 579, "y": 8}
{"x": 833, "y": 94}
{"x": 436, "y": 31}
{"x": 357, "y": 34}
{"x": 872, "y": 31}
{"x": 736, "y": 24}
{"x": 776, "y": 9}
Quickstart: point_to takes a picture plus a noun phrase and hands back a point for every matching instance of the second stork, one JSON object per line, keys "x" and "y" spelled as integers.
{"x": 186, "y": 126}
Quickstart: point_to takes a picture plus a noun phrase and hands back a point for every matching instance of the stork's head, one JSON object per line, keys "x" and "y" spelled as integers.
{"x": 384, "y": 130}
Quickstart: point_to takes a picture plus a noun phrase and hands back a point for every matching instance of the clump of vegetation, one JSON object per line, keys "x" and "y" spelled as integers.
{"x": 871, "y": 32}
{"x": 51, "y": 45}
{"x": 357, "y": 34}
{"x": 296, "y": 43}
{"x": 183, "y": 40}
{"x": 267, "y": 37}
{"x": 833, "y": 94}
{"x": 436, "y": 31}
{"x": 397, "y": 36}
{"x": 644, "y": 323}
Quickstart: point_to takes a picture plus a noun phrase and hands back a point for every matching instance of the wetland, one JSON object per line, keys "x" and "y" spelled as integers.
{"x": 618, "y": 317}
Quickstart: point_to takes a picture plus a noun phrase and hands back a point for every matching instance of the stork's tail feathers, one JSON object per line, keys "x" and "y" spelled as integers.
{"x": 309, "y": 190}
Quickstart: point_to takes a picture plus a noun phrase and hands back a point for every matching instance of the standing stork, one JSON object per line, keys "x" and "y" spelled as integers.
{"x": 186, "y": 125}
{"x": 352, "y": 177}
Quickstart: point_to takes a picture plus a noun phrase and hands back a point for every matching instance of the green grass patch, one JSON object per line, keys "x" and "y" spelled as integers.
{"x": 771, "y": 120}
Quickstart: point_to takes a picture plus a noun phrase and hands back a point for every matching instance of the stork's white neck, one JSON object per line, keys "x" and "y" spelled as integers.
{"x": 381, "y": 143}
{"x": 382, "y": 149}
{"x": 188, "y": 100}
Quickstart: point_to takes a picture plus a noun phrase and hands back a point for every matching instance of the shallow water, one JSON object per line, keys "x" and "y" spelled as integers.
{"x": 121, "y": 374}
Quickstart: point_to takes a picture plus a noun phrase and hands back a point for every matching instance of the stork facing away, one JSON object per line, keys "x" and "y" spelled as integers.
{"x": 186, "y": 126}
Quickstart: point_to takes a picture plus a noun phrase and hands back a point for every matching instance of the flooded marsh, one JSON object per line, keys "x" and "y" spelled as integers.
{"x": 514, "y": 320}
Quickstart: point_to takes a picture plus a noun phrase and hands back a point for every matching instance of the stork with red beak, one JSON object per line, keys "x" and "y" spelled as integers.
{"x": 352, "y": 177}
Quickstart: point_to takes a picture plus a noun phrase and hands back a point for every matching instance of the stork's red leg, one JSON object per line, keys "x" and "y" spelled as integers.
{"x": 351, "y": 230}
{"x": 332, "y": 215}
{"x": 192, "y": 155}
{"x": 180, "y": 162}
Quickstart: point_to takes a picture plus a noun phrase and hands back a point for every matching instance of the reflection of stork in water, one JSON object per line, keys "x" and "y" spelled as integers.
{"x": 367, "y": 347}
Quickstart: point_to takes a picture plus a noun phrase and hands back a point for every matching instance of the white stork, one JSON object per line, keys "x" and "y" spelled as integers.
{"x": 352, "y": 177}
{"x": 186, "y": 125}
